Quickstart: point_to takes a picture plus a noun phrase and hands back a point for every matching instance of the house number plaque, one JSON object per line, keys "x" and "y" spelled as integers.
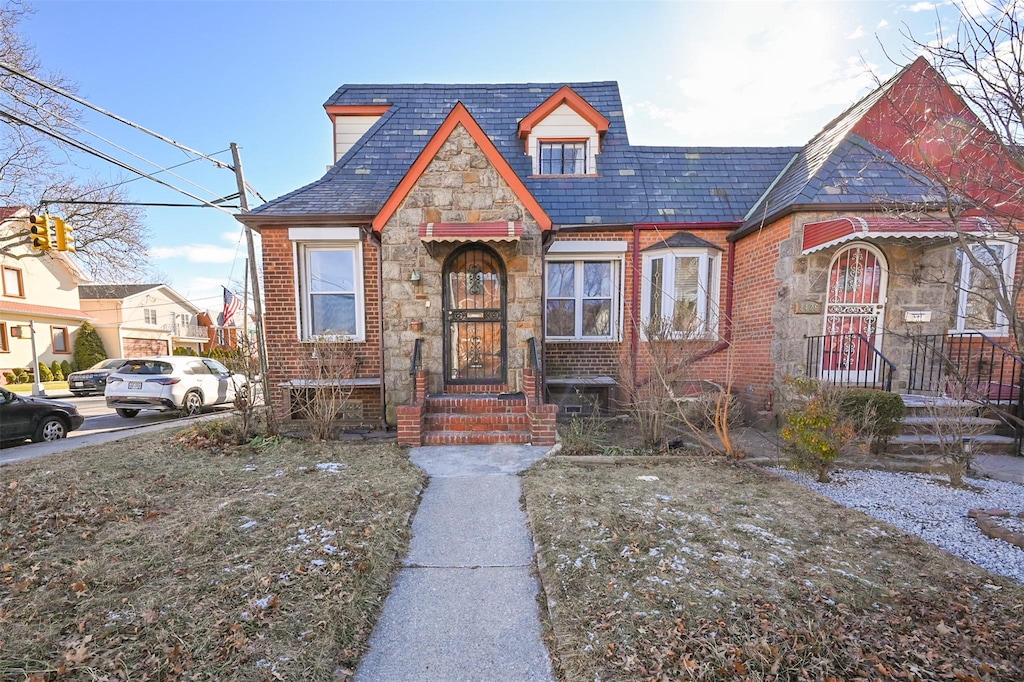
{"x": 807, "y": 307}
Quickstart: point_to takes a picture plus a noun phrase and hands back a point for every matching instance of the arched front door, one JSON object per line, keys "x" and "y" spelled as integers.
{"x": 854, "y": 314}
{"x": 474, "y": 317}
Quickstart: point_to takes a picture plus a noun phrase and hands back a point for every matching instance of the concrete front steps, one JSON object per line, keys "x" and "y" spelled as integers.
{"x": 925, "y": 430}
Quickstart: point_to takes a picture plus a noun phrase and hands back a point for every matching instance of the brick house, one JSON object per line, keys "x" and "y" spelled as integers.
{"x": 485, "y": 249}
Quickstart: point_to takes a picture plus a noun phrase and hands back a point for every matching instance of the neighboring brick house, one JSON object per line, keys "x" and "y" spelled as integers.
{"x": 135, "y": 320}
{"x": 36, "y": 289}
{"x": 468, "y": 233}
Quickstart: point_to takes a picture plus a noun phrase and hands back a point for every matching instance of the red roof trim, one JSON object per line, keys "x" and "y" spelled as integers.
{"x": 48, "y": 311}
{"x": 827, "y": 233}
{"x": 492, "y": 231}
{"x": 460, "y": 115}
{"x": 567, "y": 96}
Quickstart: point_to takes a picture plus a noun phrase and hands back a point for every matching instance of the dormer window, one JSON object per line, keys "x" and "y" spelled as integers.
{"x": 560, "y": 157}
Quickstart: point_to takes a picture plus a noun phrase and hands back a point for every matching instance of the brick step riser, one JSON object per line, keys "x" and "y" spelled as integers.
{"x": 476, "y": 407}
{"x": 475, "y": 437}
{"x": 475, "y": 422}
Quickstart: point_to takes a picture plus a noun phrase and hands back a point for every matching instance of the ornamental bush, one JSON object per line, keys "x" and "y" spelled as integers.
{"x": 65, "y": 368}
{"x": 44, "y": 373}
{"x": 56, "y": 371}
{"x": 878, "y": 413}
{"x": 818, "y": 427}
{"x": 88, "y": 346}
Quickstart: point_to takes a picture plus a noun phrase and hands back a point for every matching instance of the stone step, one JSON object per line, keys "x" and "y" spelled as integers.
{"x": 929, "y": 444}
{"x": 475, "y": 437}
{"x": 923, "y": 424}
{"x": 476, "y": 421}
{"x": 448, "y": 403}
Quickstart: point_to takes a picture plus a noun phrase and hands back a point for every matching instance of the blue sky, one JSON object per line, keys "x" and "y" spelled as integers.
{"x": 257, "y": 73}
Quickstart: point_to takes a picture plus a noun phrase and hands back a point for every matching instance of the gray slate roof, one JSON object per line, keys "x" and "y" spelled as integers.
{"x": 108, "y": 291}
{"x": 839, "y": 167}
{"x": 635, "y": 184}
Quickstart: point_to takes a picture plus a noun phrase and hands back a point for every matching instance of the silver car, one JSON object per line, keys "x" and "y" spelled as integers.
{"x": 172, "y": 382}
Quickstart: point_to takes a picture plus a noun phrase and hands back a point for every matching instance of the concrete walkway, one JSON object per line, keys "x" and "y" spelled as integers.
{"x": 464, "y": 605}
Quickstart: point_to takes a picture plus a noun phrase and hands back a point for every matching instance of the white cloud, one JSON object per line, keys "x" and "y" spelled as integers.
{"x": 882, "y": 24}
{"x": 922, "y": 6}
{"x": 857, "y": 33}
{"x": 785, "y": 66}
{"x": 196, "y": 253}
{"x": 233, "y": 236}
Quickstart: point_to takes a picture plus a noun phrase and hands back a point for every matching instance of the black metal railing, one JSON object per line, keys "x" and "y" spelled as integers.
{"x": 533, "y": 360}
{"x": 417, "y": 361}
{"x": 848, "y": 360}
{"x": 974, "y": 365}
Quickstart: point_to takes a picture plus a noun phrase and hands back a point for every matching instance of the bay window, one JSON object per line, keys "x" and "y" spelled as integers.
{"x": 680, "y": 291}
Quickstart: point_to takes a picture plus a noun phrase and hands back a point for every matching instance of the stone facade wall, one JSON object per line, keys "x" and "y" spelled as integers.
{"x": 920, "y": 274}
{"x": 459, "y": 186}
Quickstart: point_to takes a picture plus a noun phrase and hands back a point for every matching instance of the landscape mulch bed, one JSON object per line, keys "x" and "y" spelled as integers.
{"x": 702, "y": 569}
{"x": 150, "y": 558}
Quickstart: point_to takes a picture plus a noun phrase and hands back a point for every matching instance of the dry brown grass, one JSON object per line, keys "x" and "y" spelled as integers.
{"x": 715, "y": 571}
{"x": 147, "y": 559}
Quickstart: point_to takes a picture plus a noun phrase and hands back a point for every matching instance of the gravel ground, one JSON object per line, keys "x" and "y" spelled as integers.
{"x": 928, "y": 507}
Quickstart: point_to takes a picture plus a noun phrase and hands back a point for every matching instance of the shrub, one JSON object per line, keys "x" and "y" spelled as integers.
{"x": 44, "y": 372}
{"x": 878, "y": 413}
{"x": 88, "y": 346}
{"x": 10, "y": 377}
{"x": 184, "y": 351}
{"x": 56, "y": 371}
{"x": 65, "y": 368}
{"x": 817, "y": 428}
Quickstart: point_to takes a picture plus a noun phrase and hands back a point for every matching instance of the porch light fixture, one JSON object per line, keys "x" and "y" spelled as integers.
{"x": 415, "y": 277}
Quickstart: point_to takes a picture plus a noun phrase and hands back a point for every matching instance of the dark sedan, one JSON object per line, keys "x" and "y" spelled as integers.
{"x": 94, "y": 379}
{"x": 40, "y": 419}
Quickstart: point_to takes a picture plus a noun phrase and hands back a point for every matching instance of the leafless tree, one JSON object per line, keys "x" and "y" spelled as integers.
{"x": 952, "y": 430}
{"x": 329, "y": 367}
{"x": 35, "y": 168}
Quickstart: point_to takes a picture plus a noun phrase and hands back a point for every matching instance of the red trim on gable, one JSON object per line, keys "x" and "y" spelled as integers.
{"x": 839, "y": 230}
{"x": 460, "y": 115}
{"x": 356, "y": 109}
{"x": 567, "y": 96}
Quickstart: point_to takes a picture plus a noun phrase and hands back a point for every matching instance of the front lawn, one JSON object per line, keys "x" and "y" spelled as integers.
{"x": 698, "y": 569}
{"x": 147, "y": 559}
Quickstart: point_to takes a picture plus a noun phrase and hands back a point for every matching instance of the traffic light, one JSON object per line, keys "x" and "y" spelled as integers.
{"x": 65, "y": 235}
{"x": 40, "y": 231}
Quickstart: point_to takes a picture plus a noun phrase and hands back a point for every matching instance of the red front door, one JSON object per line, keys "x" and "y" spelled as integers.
{"x": 854, "y": 315}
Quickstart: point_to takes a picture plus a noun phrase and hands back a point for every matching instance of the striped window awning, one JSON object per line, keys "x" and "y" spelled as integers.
{"x": 502, "y": 231}
{"x": 826, "y": 233}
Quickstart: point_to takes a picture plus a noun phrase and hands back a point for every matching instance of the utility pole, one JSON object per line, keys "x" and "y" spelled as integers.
{"x": 261, "y": 339}
{"x": 37, "y": 384}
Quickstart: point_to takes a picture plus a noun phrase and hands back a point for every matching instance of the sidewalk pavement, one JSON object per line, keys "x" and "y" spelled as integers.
{"x": 464, "y": 606}
{"x": 1000, "y": 467}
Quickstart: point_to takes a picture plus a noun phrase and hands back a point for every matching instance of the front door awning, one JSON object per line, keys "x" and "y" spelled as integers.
{"x": 502, "y": 231}
{"x": 821, "y": 235}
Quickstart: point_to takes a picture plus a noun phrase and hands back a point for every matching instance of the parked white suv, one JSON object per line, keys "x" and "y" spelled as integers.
{"x": 172, "y": 382}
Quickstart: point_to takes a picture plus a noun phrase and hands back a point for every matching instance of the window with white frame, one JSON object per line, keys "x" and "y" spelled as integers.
{"x": 680, "y": 289}
{"x": 150, "y": 315}
{"x": 980, "y": 282}
{"x": 582, "y": 301}
{"x": 332, "y": 286}
{"x": 563, "y": 157}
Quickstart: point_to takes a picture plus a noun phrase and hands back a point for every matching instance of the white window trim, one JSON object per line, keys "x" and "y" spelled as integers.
{"x": 302, "y": 303}
{"x": 707, "y": 305}
{"x": 613, "y": 256}
{"x": 1009, "y": 268}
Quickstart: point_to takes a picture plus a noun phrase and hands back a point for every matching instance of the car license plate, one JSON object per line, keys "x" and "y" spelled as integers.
{"x": 76, "y": 383}
{"x": 132, "y": 385}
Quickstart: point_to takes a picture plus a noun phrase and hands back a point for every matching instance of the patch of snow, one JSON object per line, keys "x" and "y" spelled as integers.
{"x": 247, "y": 525}
{"x": 647, "y": 478}
{"x": 331, "y": 467}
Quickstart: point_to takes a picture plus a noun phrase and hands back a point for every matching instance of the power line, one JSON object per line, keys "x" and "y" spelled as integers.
{"x": 106, "y": 157}
{"x": 79, "y": 100}
{"x": 75, "y": 124}
{"x": 131, "y": 203}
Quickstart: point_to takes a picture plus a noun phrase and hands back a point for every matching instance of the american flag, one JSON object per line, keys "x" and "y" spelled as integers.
{"x": 231, "y": 304}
